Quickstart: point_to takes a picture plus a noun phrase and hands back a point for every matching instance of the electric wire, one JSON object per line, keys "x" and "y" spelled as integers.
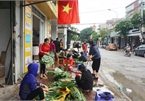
{"x": 104, "y": 10}
{"x": 101, "y": 10}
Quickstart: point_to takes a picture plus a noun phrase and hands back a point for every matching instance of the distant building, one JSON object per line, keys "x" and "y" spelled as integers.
{"x": 103, "y": 26}
{"x": 111, "y": 23}
{"x": 133, "y": 7}
{"x": 134, "y": 35}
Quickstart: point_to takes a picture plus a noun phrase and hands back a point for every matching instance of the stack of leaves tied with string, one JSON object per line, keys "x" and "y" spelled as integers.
{"x": 64, "y": 88}
{"x": 48, "y": 60}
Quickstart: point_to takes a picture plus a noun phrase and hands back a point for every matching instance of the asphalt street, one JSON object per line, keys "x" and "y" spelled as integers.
{"x": 127, "y": 73}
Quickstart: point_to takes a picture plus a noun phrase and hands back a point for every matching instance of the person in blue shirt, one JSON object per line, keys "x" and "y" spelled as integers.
{"x": 30, "y": 87}
{"x": 94, "y": 54}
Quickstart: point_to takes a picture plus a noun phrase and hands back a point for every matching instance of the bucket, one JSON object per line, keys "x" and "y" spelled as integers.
{"x": 35, "y": 50}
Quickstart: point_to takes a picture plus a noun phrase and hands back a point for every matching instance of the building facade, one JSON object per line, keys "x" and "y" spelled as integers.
{"x": 132, "y": 8}
{"x": 25, "y": 24}
{"x": 135, "y": 36}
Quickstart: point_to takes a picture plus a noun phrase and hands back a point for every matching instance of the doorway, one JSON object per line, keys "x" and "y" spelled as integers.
{"x": 6, "y": 25}
{"x": 38, "y": 35}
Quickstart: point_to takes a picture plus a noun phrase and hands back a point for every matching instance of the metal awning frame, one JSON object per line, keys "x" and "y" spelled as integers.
{"x": 137, "y": 34}
{"x": 73, "y": 32}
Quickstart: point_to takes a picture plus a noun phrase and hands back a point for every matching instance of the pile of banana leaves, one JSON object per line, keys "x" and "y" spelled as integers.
{"x": 64, "y": 87}
{"x": 64, "y": 90}
{"x": 48, "y": 60}
{"x": 77, "y": 61}
{"x": 58, "y": 74}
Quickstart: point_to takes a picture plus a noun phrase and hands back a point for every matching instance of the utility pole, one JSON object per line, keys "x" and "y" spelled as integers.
{"x": 142, "y": 10}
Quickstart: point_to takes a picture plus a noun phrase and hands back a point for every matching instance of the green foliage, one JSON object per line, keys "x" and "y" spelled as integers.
{"x": 74, "y": 37}
{"x": 58, "y": 73}
{"x": 48, "y": 60}
{"x": 136, "y": 19}
{"x": 123, "y": 27}
{"x": 85, "y": 34}
{"x": 76, "y": 94}
{"x": 74, "y": 29}
{"x": 95, "y": 36}
{"x": 104, "y": 33}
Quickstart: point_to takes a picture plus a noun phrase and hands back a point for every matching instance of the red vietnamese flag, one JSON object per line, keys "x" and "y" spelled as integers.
{"x": 68, "y": 12}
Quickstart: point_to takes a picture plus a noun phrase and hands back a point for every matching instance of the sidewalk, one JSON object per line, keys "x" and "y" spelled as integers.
{"x": 10, "y": 92}
{"x": 89, "y": 96}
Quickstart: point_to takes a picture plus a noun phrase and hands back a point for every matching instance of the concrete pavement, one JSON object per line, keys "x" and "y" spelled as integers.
{"x": 10, "y": 92}
{"x": 125, "y": 72}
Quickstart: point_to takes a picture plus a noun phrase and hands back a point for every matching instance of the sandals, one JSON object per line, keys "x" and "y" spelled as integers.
{"x": 95, "y": 78}
{"x": 43, "y": 76}
{"x": 93, "y": 75}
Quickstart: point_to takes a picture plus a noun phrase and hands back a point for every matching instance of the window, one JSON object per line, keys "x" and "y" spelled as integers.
{"x": 38, "y": 13}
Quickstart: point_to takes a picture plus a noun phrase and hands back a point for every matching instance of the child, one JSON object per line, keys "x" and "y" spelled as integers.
{"x": 84, "y": 78}
{"x": 69, "y": 60}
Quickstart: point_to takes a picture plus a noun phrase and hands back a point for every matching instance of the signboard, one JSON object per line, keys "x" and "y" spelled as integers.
{"x": 27, "y": 37}
{"x": 49, "y": 30}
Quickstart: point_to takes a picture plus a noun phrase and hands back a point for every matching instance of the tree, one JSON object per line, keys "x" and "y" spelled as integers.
{"x": 123, "y": 28}
{"x": 95, "y": 36}
{"x": 136, "y": 20}
{"x": 74, "y": 29}
{"x": 74, "y": 37}
{"x": 104, "y": 33}
{"x": 85, "y": 34}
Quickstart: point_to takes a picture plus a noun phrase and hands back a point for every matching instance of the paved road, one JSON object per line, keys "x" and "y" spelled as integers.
{"x": 128, "y": 73}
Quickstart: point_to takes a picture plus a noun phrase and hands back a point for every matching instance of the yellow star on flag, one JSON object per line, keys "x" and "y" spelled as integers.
{"x": 66, "y": 8}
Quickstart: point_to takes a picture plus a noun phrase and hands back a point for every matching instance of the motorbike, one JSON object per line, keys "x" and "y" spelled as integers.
{"x": 127, "y": 53}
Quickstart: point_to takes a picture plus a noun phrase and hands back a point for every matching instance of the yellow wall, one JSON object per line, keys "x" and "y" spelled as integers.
{"x": 49, "y": 29}
{"x": 27, "y": 37}
{"x": 48, "y": 8}
{"x": 51, "y": 11}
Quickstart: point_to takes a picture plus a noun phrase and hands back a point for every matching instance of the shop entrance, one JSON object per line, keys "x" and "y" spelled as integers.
{"x": 36, "y": 31}
{"x": 38, "y": 35}
{"x": 6, "y": 26}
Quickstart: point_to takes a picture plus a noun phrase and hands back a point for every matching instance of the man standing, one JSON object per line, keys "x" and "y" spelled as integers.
{"x": 57, "y": 45}
{"x": 74, "y": 44}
